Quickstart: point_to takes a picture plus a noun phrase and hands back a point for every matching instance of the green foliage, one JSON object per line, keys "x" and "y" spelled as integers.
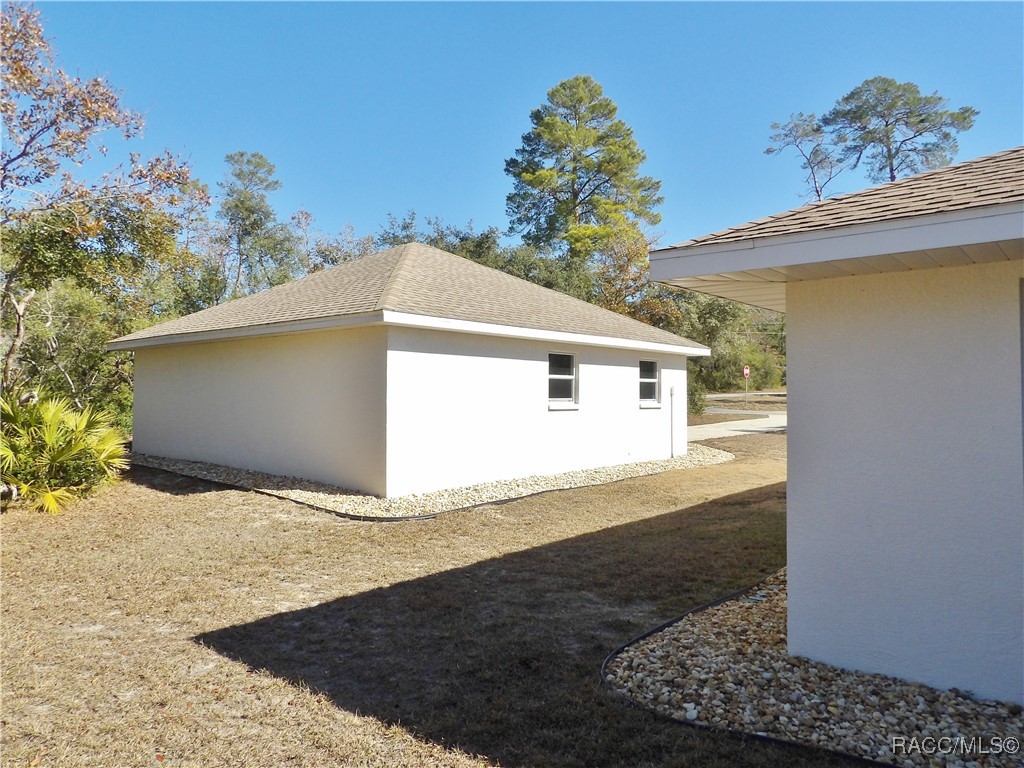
{"x": 65, "y": 348}
{"x": 53, "y": 453}
{"x": 723, "y": 371}
{"x": 889, "y": 126}
{"x": 737, "y": 335}
{"x": 319, "y": 251}
{"x": 104, "y": 233}
{"x": 260, "y": 250}
{"x": 895, "y": 129}
{"x": 576, "y": 175}
{"x": 621, "y": 284}
{"x": 696, "y": 394}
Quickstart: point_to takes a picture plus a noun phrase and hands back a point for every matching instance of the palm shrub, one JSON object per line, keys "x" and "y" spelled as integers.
{"x": 53, "y": 453}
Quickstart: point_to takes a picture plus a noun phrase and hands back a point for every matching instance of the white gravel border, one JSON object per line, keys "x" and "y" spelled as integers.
{"x": 361, "y": 505}
{"x": 727, "y": 667}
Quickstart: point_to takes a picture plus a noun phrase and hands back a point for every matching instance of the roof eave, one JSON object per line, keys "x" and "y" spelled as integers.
{"x": 127, "y": 343}
{"x": 408, "y": 320}
{"x": 755, "y": 270}
{"x": 913, "y": 233}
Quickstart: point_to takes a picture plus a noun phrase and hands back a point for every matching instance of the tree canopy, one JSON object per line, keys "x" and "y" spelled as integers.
{"x": 55, "y": 225}
{"x": 890, "y": 127}
{"x": 261, "y": 251}
{"x": 895, "y": 129}
{"x": 86, "y": 258}
{"x": 577, "y": 175}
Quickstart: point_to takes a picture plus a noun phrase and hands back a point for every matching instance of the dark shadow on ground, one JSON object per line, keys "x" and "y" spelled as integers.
{"x": 242, "y": 479}
{"x": 170, "y": 482}
{"x": 502, "y": 658}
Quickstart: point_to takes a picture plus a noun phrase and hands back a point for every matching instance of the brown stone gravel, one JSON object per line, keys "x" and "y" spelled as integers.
{"x": 727, "y": 667}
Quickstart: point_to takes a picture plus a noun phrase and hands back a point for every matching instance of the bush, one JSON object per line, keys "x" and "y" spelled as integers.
{"x": 723, "y": 371}
{"x": 696, "y": 401}
{"x": 52, "y": 453}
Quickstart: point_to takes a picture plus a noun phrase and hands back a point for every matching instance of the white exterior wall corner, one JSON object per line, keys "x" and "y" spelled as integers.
{"x": 307, "y": 405}
{"x": 906, "y": 489}
{"x": 465, "y": 409}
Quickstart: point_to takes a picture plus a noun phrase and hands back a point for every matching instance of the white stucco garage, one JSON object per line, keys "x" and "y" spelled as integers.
{"x": 906, "y": 465}
{"x": 407, "y": 371}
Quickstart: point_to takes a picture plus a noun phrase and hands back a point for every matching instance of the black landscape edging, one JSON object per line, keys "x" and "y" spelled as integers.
{"x": 707, "y": 726}
{"x": 429, "y": 515}
{"x": 346, "y": 515}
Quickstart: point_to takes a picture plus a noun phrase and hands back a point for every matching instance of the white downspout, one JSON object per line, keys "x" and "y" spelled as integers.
{"x": 672, "y": 421}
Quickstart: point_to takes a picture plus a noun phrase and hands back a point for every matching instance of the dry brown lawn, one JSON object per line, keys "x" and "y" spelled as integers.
{"x": 717, "y": 418}
{"x": 175, "y": 622}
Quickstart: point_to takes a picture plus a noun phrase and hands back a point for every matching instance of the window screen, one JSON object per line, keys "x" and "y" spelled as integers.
{"x": 648, "y": 380}
{"x": 561, "y": 377}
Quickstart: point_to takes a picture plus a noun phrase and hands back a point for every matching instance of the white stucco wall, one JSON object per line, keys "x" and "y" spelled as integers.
{"x": 465, "y": 409}
{"x": 906, "y": 475}
{"x": 307, "y": 405}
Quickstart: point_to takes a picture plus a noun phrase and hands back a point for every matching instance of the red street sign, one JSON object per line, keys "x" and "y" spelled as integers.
{"x": 746, "y": 371}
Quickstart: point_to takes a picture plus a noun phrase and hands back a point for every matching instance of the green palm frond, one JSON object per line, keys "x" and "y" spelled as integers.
{"x": 53, "y": 452}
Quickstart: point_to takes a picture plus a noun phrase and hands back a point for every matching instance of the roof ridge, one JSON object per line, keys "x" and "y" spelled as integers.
{"x": 499, "y": 274}
{"x": 393, "y": 276}
{"x": 415, "y": 279}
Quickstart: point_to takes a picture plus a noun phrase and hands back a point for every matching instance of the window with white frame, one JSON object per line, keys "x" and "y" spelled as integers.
{"x": 649, "y": 381}
{"x": 562, "y": 377}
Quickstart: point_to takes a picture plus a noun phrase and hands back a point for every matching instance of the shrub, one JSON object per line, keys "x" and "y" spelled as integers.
{"x": 52, "y": 453}
{"x": 696, "y": 401}
{"x": 723, "y": 371}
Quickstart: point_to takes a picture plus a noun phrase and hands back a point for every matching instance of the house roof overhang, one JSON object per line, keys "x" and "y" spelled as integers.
{"x": 756, "y": 270}
{"x": 409, "y": 320}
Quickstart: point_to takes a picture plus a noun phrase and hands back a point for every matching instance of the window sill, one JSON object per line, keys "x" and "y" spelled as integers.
{"x": 566, "y": 406}
{"x": 644, "y": 404}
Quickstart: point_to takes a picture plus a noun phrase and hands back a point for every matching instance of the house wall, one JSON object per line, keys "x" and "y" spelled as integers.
{"x": 906, "y": 478}
{"x": 308, "y": 405}
{"x": 465, "y": 409}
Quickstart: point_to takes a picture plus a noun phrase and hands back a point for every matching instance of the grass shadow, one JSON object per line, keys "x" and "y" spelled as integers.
{"x": 502, "y": 658}
{"x": 170, "y": 482}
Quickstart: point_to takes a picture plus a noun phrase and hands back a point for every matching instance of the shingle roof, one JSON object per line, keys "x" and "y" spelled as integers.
{"x": 414, "y": 279}
{"x": 990, "y": 180}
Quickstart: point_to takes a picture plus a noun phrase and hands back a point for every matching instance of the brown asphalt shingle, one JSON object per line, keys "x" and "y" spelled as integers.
{"x": 420, "y": 280}
{"x": 989, "y": 180}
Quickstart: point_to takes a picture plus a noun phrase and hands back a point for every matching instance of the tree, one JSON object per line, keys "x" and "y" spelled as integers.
{"x": 737, "y": 335}
{"x": 318, "y": 251}
{"x": 821, "y": 158}
{"x": 895, "y": 129}
{"x": 65, "y": 348}
{"x": 261, "y": 251}
{"x": 100, "y": 233}
{"x": 621, "y": 284}
{"x": 576, "y": 177}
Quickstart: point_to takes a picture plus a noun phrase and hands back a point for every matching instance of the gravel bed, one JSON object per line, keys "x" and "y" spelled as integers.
{"x": 727, "y": 667}
{"x": 361, "y": 505}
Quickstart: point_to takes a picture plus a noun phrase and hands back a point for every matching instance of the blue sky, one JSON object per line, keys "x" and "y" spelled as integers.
{"x": 367, "y": 108}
